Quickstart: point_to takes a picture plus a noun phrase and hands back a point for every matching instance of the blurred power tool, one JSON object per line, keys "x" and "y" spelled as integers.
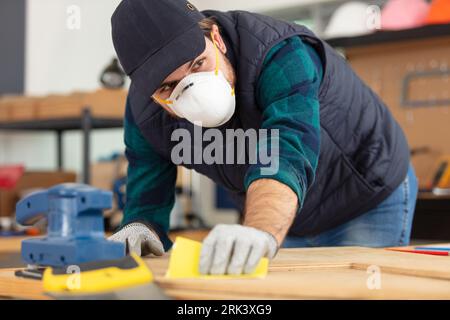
{"x": 75, "y": 226}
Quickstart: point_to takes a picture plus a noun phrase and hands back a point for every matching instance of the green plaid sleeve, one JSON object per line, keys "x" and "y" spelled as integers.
{"x": 150, "y": 194}
{"x": 287, "y": 93}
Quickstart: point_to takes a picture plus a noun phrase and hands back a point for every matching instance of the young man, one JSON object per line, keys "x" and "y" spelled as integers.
{"x": 342, "y": 174}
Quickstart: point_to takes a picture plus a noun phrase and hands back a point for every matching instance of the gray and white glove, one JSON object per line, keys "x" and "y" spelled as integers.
{"x": 138, "y": 238}
{"x": 235, "y": 249}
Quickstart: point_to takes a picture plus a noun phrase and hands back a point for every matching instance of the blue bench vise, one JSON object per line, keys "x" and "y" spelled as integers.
{"x": 75, "y": 226}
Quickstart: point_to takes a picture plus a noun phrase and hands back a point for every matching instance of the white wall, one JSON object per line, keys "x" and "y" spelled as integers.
{"x": 60, "y": 60}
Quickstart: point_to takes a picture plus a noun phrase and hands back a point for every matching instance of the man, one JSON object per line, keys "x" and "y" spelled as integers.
{"x": 342, "y": 172}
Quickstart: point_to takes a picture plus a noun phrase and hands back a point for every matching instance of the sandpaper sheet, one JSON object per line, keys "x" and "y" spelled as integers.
{"x": 185, "y": 258}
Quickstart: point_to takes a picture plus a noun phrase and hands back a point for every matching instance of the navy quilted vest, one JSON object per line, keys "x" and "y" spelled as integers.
{"x": 364, "y": 155}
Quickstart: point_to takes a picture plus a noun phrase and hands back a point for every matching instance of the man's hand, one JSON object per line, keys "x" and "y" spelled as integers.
{"x": 235, "y": 249}
{"x": 139, "y": 239}
{"x": 269, "y": 213}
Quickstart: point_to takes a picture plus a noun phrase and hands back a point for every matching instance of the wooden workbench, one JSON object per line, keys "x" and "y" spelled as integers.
{"x": 310, "y": 273}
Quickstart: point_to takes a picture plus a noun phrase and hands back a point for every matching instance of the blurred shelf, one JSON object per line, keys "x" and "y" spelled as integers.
{"x": 86, "y": 122}
{"x": 315, "y": 14}
{"x": 425, "y": 32}
{"x": 62, "y": 124}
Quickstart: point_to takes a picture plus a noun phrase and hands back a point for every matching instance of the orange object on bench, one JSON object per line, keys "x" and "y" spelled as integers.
{"x": 439, "y": 12}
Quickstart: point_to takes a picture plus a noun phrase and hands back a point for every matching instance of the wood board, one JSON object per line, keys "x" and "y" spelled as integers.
{"x": 12, "y": 287}
{"x": 324, "y": 273}
{"x": 309, "y": 273}
{"x": 359, "y": 258}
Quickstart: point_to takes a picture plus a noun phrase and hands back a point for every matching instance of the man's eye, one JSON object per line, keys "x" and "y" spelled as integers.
{"x": 167, "y": 87}
{"x": 199, "y": 63}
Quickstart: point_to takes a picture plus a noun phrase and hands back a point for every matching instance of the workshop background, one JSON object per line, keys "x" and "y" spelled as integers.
{"x": 62, "y": 98}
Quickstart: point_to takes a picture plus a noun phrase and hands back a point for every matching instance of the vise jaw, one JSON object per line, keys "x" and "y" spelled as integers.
{"x": 75, "y": 226}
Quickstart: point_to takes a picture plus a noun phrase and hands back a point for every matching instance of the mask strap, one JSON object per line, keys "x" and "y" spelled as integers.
{"x": 216, "y": 71}
{"x": 217, "y": 54}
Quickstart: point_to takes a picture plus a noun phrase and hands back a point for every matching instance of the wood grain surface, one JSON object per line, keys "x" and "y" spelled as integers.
{"x": 308, "y": 273}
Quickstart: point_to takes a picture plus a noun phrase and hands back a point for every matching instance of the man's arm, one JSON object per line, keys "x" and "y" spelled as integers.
{"x": 288, "y": 95}
{"x": 266, "y": 199}
{"x": 150, "y": 183}
{"x": 288, "y": 92}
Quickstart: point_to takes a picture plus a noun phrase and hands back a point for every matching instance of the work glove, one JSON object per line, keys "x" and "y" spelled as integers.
{"x": 138, "y": 238}
{"x": 235, "y": 249}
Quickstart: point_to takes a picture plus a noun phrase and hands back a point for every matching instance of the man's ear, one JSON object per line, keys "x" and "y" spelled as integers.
{"x": 218, "y": 39}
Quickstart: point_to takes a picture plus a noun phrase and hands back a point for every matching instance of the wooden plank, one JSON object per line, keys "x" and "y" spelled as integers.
{"x": 10, "y": 244}
{"x": 18, "y": 108}
{"x": 12, "y": 287}
{"x": 179, "y": 294}
{"x": 311, "y": 273}
{"x": 322, "y": 284}
{"x": 324, "y": 273}
{"x": 361, "y": 258}
{"x": 306, "y": 284}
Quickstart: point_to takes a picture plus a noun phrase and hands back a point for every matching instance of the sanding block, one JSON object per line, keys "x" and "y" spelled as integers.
{"x": 185, "y": 258}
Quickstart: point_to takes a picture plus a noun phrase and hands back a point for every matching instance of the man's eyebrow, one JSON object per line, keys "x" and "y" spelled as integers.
{"x": 170, "y": 83}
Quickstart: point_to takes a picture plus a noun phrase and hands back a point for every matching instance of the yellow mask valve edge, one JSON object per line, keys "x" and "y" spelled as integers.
{"x": 163, "y": 101}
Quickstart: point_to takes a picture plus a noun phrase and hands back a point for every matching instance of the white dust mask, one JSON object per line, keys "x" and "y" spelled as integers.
{"x": 203, "y": 98}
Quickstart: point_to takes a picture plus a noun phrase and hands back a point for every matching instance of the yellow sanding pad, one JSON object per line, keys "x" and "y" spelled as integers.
{"x": 184, "y": 263}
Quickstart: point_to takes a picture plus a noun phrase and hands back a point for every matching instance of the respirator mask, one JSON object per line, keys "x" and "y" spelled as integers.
{"x": 203, "y": 98}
